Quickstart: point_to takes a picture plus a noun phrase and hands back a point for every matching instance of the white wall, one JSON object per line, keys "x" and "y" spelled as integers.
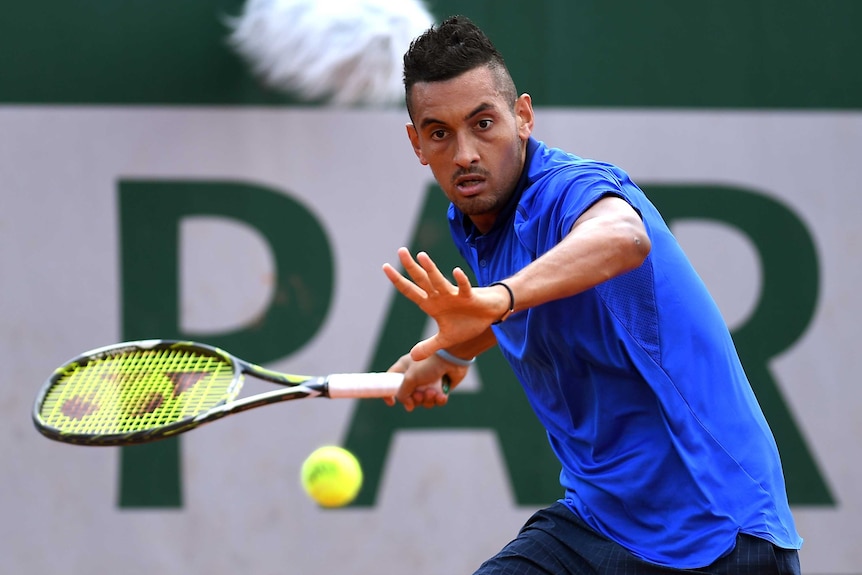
{"x": 244, "y": 510}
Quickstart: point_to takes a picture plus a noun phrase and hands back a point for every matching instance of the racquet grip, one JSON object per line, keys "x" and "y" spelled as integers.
{"x": 347, "y": 385}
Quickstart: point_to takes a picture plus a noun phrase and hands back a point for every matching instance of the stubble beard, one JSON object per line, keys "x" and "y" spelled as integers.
{"x": 487, "y": 204}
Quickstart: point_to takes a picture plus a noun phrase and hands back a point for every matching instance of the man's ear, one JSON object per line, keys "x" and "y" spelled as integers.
{"x": 524, "y": 116}
{"x": 414, "y": 141}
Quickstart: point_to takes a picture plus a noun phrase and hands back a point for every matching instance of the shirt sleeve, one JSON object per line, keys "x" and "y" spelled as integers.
{"x": 555, "y": 203}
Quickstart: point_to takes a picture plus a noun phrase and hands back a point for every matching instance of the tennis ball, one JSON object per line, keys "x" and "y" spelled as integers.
{"x": 331, "y": 476}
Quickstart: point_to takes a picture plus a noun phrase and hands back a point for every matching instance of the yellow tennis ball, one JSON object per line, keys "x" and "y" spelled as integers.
{"x": 331, "y": 476}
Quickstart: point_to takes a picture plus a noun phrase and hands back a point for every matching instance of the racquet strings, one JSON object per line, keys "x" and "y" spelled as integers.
{"x": 137, "y": 390}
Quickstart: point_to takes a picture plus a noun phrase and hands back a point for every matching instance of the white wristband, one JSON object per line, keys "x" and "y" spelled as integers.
{"x": 453, "y": 359}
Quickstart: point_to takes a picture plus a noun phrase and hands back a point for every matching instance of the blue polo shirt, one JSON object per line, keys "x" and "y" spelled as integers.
{"x": 664, "y": 448}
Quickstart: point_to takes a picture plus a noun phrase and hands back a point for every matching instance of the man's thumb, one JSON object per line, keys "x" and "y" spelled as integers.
{"x": 424, "y": 349}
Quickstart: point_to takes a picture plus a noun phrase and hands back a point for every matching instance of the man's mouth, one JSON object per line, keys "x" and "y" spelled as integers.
{"x": 469, "y": 184}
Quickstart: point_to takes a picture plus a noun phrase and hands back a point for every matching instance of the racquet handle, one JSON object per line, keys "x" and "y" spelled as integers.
{"x": 364, "y": 385}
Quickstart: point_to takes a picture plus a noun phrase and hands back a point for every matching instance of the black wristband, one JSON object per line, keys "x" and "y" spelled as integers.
{"x": 511, "y": 302}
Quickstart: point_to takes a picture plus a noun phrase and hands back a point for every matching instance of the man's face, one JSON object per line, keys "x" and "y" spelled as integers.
{"x": 472, "y": 139}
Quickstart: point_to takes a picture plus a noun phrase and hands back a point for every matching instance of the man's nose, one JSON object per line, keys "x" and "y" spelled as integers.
{"x": 467, "y": 153}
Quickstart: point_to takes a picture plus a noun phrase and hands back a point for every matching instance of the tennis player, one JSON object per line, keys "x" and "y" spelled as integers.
{"x": 667, "y": 461}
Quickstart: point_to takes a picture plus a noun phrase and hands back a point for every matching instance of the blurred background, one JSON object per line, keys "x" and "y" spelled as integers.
{"x": 158, "y": 181}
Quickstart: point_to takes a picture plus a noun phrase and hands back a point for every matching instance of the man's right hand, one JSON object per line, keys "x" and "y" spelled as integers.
{"x": 423, "y": 381}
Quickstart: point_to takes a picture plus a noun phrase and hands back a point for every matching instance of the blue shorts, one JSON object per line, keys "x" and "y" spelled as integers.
{"x": 555, "y": 541}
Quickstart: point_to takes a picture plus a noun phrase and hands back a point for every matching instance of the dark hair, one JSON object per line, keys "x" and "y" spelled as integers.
{"x": 456, "y": 46}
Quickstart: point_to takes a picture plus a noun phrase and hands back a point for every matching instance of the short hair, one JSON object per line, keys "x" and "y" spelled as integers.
{"x": 454, "y": 47}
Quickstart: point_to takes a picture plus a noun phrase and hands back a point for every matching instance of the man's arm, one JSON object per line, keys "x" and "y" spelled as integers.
{"x": 607, "y": 240}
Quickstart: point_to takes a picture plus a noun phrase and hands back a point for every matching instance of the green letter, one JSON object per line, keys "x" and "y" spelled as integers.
{"x": 786, "y": 306}
{"x": 150, "y": 217}
{"x": 500, "y": 405}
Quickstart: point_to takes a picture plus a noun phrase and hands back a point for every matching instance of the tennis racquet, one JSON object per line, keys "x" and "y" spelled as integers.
{"x": 146, "y": 390}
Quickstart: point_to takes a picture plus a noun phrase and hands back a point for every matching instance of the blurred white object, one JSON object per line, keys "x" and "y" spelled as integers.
{"x": 344, "y": 52}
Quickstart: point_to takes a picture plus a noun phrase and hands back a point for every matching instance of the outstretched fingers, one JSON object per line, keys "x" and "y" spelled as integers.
{"x": 412, "y": 267}
{"x": 463, "y": 282}
{"x": 435, "y": 278}
{"x": 426, "y": 277}
{"x": 407, "y": 288}
{"x": 428, "y": 282}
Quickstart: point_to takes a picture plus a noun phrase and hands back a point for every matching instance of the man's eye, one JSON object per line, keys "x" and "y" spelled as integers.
{"x": 438, "y": 134}
{"x": 484, "y": 124}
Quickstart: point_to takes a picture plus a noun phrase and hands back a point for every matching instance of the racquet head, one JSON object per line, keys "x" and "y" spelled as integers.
{"x": 126, "y": 392}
